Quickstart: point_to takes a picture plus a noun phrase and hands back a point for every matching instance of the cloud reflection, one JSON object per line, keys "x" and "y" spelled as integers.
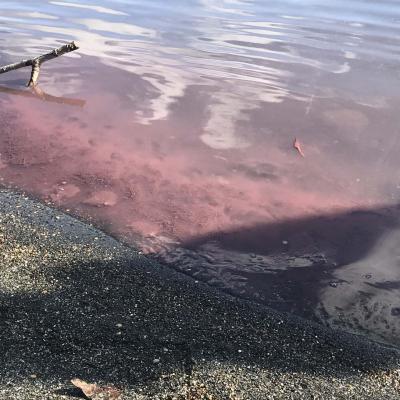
{"x": 99, "y": 9}
{"x": 231, "y": 53}
{"x": 118, "y": 28}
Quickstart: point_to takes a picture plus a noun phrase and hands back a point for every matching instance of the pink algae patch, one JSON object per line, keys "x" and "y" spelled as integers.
{"x": 136, "y": 180}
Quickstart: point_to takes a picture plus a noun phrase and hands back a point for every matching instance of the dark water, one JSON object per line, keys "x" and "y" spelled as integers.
{"x": 173, "y": 127}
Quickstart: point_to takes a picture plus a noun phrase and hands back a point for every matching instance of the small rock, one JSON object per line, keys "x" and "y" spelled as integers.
{"x": 395, "y": 311}
{"x": 102, "y": 198}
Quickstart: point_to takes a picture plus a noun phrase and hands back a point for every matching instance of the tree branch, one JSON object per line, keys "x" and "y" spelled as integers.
{"x": 36, "y": 62}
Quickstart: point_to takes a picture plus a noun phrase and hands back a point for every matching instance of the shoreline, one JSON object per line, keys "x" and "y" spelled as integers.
{"x": 78, "y": 303}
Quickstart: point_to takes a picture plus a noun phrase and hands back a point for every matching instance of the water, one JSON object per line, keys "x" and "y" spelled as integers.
{"x": 173, "y": 128}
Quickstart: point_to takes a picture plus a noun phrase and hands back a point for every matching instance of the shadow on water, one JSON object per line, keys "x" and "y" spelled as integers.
{"x": 338, "y": 269}
{"x": 346, "y": 237}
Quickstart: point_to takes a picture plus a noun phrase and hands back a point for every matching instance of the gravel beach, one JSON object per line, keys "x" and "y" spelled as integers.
{"x": 75, "y": 303}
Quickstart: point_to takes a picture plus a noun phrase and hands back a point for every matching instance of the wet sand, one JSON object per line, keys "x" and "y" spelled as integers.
{"x": 76, "y": 303}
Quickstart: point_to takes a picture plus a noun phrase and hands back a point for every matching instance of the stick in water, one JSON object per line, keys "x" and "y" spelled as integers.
{"x": 37, "y": 62}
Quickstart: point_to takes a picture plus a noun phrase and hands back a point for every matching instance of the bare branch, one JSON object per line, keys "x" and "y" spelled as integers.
{"x": 36, "y": 62}
{"x": 35, "y": 73}
{"x": 11, "y": 67}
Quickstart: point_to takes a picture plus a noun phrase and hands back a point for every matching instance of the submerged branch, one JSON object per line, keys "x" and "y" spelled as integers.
{"x": 36, "y": 62}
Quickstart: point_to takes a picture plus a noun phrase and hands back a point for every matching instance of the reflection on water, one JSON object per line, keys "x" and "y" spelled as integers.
{"x": 185, "y": 141}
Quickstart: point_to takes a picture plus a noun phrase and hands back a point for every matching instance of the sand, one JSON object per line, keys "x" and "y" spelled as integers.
{"x": 75, "y": 303}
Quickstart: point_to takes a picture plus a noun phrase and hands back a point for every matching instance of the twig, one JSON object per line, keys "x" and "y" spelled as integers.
{"x": 36, "y": 62}
{"x": 297, "y": 146}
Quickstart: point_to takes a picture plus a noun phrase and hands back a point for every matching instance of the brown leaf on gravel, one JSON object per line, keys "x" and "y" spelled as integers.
{"x": 95, "y": 392}
{"x": 297, "y": 146}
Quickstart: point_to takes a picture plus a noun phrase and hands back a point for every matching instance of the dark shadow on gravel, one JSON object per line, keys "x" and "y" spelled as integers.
{"x": 73, "y": 393}
{"x": 131, "y": 322}
{"x": 116, "y": 322}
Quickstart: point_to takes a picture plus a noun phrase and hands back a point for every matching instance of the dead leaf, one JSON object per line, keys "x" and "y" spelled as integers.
{"x": 95, "y": 392}
{"x": 297, "y": 146}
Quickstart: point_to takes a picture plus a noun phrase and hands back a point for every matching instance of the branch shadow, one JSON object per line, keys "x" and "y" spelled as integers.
{"x": 38, "y": 94}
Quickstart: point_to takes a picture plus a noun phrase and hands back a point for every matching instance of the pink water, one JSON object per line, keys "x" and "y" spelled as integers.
{"x": 180, "y": 141}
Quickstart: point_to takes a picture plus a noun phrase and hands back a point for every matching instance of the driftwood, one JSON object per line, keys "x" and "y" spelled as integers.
{"x": 39, "y": 94}
{"x": 36, "y": 62}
